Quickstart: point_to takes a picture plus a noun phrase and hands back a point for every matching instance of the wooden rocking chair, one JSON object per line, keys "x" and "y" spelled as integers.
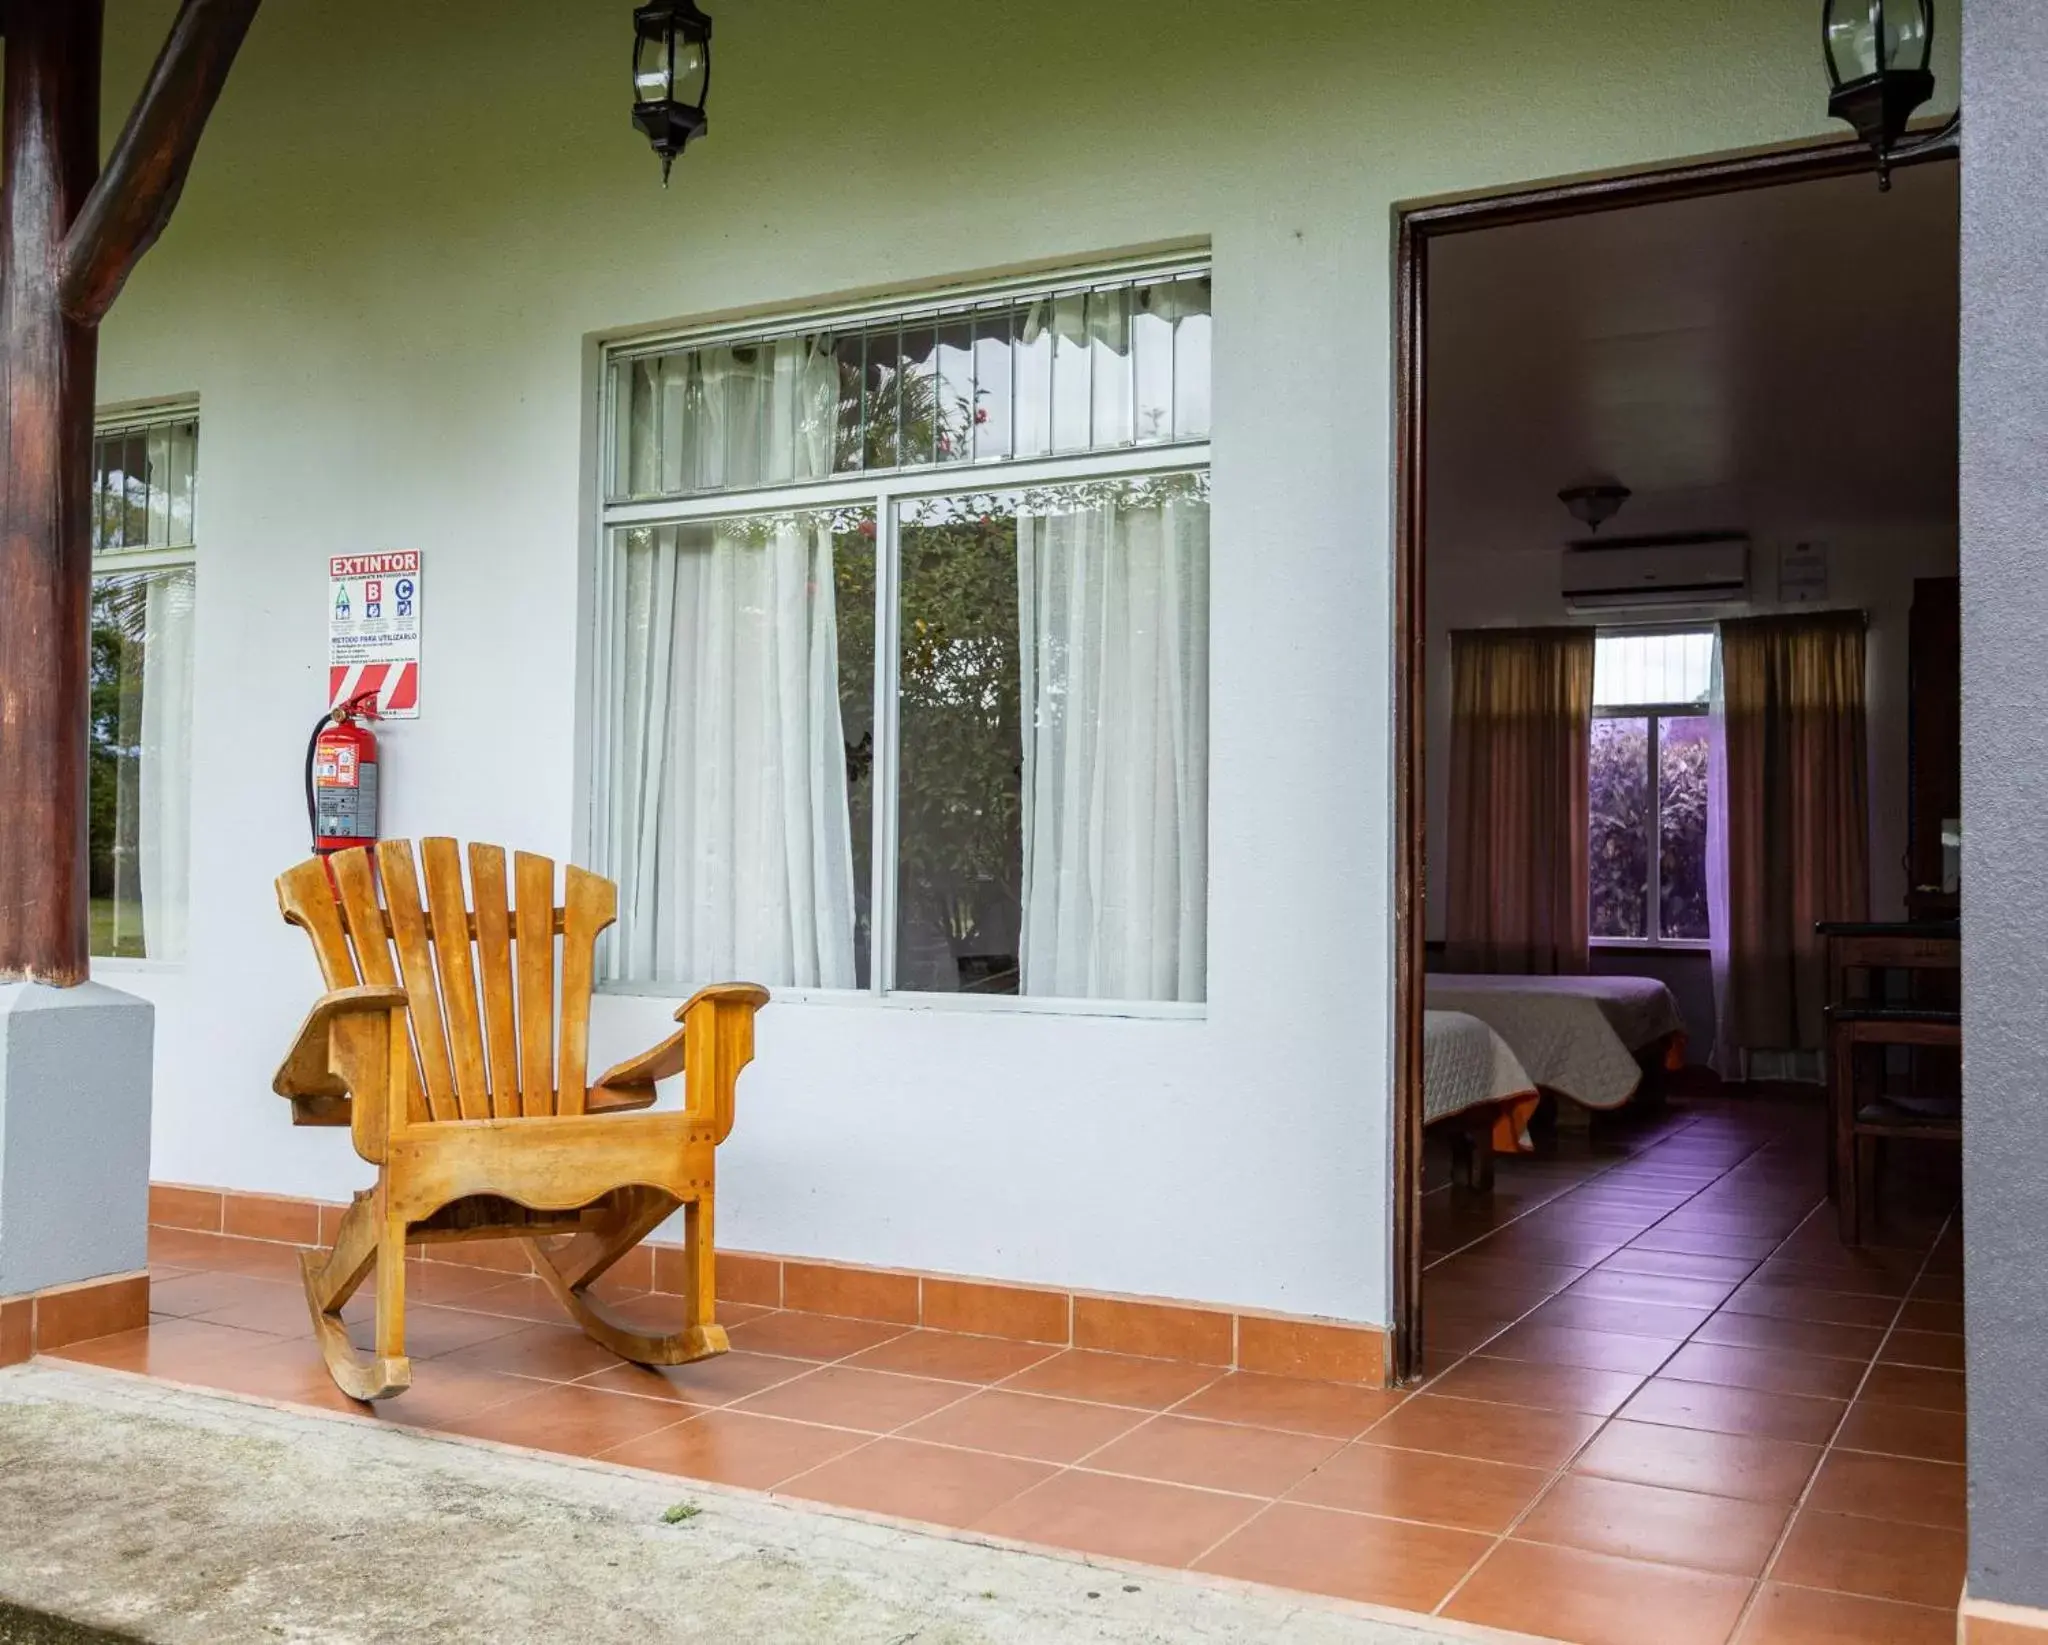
{"x": 476, "y": 1111}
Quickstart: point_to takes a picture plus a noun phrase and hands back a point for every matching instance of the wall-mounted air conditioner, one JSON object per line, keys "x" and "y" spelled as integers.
{"x": 1680, "y": 568}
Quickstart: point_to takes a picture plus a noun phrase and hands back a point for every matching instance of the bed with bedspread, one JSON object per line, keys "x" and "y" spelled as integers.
{"x": 1475, "y": 1089}
{"x": 1590, "y": 1039}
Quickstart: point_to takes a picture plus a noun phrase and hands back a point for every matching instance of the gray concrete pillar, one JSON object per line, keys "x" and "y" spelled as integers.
{"x": 2005, "y": 790}
{"x": 74, "y": 1134}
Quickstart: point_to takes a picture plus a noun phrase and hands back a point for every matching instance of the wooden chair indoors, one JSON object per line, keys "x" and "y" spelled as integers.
{"x": 440, "y": 1045}
{"x": 1866, "y": 1114}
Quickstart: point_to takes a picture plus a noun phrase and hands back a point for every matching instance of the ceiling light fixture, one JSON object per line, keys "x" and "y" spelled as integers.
{"x": 1594, "y": 505}
{"x": 671, "y": 75}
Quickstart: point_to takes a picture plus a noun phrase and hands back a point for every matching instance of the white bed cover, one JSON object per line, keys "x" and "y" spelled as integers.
{"x": 1574, "y": 1035}
{"x": 1464, "y": 1064}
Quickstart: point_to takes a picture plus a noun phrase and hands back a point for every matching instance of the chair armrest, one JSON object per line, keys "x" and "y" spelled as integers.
{"x": 319, "y": 1095}
{"x": 631, "y": 1083}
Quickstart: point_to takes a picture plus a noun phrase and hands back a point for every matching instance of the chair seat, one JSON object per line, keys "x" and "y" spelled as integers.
{"x": 1940, "y": 1016}
{"x": 1935, "y": 1113}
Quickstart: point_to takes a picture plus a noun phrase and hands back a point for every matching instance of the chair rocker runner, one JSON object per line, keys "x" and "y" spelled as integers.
{"x": 439, "y": 1044}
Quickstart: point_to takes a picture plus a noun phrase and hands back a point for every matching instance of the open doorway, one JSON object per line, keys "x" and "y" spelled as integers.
{"x": 1678, "y": 501}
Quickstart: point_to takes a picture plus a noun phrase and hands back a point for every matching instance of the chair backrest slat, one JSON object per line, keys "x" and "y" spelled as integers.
{"x": 494, "y": 968}
{"x": 416, "y": 970}
{"x": 441, "y": 863}
{"x": 305, "y": 895}
{"x": 500, "y": 1033}
{"x": 533, "y": 881}
{"x": 589, "y": 904}
{"x": 367, "y": 932}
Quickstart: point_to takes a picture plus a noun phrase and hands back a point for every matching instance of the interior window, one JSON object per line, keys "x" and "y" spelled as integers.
{"x": 1648, "y": 786}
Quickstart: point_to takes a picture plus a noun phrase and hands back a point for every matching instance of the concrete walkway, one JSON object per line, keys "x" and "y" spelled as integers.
{"x": 191, "y": 1519}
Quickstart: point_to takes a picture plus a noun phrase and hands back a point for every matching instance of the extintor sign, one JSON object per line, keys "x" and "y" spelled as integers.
{"x": 373, "y": 631}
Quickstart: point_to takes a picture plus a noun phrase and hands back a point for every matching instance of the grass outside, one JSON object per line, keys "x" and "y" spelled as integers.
{"x": 114, "y": 928}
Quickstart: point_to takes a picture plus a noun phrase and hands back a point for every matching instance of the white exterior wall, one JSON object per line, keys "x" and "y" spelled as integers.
{"x": 409, "y": 224}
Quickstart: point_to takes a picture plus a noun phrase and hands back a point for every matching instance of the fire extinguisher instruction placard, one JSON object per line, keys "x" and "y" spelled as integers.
{"x": 373, "y": 631}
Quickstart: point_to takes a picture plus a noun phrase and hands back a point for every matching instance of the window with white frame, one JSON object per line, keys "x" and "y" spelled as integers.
{"x": 904, "y": 669}
{"x": 139, "y": 784}
{"x": 1648, "y": 785}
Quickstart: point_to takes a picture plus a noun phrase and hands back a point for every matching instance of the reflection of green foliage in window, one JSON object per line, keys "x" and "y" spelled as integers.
{"x": 852, "y": 523}
{"x": 853, "y": 577}
{"x": 960, "y": 820}
{"x": 897, "y": 412}
{"x": 1051, "y": 502}
{"x": 119, "y": 618}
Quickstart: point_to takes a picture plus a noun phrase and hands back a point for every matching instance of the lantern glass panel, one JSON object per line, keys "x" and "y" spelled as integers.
{"x": 650, "y": 68}
{"x": 689, "y": 81}
{"x": 1852, "y": 31}
{"x": 1908, "y": 34}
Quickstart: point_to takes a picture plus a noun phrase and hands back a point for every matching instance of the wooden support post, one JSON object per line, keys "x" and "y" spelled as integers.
{"x": 51, "y": 157}
{"x": 72, "y": 238}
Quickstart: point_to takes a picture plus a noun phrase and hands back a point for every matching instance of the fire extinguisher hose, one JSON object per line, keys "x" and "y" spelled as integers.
{"x": 312, "y": 747}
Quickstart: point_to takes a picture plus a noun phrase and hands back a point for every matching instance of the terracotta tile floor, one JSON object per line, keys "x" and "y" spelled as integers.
{"x": 1665, "y": 1404}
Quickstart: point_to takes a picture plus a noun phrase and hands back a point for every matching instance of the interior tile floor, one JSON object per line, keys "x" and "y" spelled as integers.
{"x": 1670, "y": 1406}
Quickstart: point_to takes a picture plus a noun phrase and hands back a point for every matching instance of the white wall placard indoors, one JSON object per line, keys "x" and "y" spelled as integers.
{"x": 1803, "y": 574}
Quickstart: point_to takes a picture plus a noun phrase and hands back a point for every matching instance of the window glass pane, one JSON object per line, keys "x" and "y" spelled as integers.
{"x": 133, "y": 503}
{"x": 848, "y": 449}
{"x": 1053, "y": 800}
{"x": 106, "y": 525}
{"x": 1618, "y": 833}
{"x": 1191, "y": 358}
{"x": 682, "y": 421}
{"x": 139, "y": 763}
{"x": 180, "y": 443}
{"x": 742, "y": 752}
{"x": 994, "y": 388}
{"x": 1033, "y": 364}
{"x": 883, "y": 411}
{"x": 1647, "y": 670}
{"x": 956, "y": 409}
{"x": 1072, "y": 387}
{"x": 1109, "y": 344}
{"x": 1064, "y": 372}
{"x": 1682, "y": 825}
{"x": 640, "y": 431}
{"x": 1152, "y": 362}
{"x": 918, "y": 377}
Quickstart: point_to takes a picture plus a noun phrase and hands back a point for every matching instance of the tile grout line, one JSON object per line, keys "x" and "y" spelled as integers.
{"x": 1828, "y": 1449}
{"x": 1477, "y": 1350}
{"x": 1627, "y": 1159}
{"x": 1579, "y": 1450}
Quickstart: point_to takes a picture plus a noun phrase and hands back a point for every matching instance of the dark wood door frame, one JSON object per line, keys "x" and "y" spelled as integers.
{"x": 1417, "y": 226}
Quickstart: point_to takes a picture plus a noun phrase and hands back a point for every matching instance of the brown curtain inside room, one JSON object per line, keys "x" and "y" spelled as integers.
{"x": 1798, "y": 807}
{"x": 1521, "y": 715}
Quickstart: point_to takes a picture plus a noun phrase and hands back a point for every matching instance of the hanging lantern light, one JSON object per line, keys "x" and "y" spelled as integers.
{"x": 671, "y": 76}
{"x": 1877, "y": 53}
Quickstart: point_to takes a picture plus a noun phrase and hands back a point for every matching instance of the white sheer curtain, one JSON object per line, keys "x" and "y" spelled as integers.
{"x": 1726, "y": 1057}
{"x": 163, "y": 776}
{"x": 1113, "y": 646}
{"x": 731, "y": 838}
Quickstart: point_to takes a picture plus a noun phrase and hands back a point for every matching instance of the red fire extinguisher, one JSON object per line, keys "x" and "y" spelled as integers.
{"x": 341, "y": 777}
